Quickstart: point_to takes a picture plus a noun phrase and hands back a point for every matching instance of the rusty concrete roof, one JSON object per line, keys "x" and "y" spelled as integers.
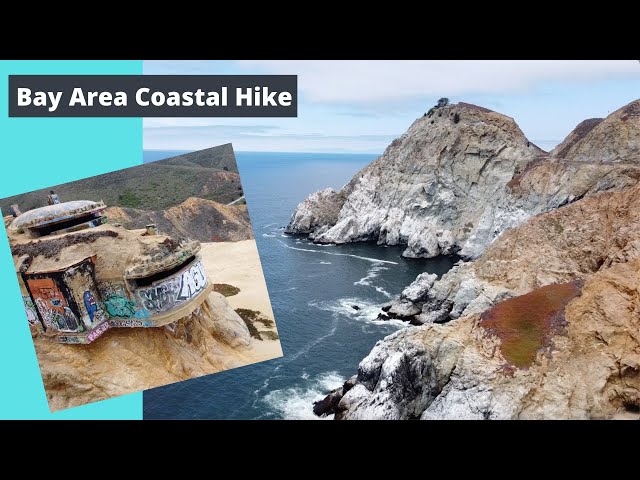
{"x": 55, "y": 213}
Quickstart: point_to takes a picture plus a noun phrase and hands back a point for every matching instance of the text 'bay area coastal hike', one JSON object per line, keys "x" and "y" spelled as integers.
{"x": 541, "y": 317}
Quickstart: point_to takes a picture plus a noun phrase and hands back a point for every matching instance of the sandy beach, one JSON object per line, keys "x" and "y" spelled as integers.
{"x": 238, "y": 264}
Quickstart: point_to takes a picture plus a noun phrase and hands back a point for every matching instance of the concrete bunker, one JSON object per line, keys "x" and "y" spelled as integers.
{"x": 61, "y": 218}
{"x": 80, "y": 276}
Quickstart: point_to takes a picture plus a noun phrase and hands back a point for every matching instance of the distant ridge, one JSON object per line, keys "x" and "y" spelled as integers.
{"x": 211, "y": 174}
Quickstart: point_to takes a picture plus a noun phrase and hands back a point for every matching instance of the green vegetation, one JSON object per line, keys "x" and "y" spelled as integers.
{"x": 153, "y": 186}
{"x": 226, "y": 289}
{"x": 267, "y": 322}
{"x": 525, "y": 324}
{"x": 442, "y": 102}
{"x": 251, "y": 317}
{"x": 129, "y": 199}
{"x": 270, "y": 335}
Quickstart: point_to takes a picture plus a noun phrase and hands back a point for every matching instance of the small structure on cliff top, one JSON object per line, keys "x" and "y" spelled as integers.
{"x": 80, "y": 276}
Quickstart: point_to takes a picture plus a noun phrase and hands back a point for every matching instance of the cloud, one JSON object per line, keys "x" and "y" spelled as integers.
{"x": 364, "y": 82}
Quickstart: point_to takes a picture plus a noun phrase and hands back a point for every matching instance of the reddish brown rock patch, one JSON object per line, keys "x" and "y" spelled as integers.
{"x": 525, "y": 324}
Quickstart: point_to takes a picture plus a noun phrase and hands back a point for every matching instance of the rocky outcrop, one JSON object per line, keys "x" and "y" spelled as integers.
{"x": 428, "y": 188}
{"x": 559, "y": 246}
{"x": 456, "y": 180}
{"x": 317, "y": 212}
{"x": 577, "y": 134}
{"x": 328, "y": 405}
{"x": 212, "y": 339}
{"x": 614, "y": 140}
{"x": 589, "y": 367}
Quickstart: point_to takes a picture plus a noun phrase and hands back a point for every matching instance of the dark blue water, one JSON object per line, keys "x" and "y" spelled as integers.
{"x": 312, "y": 290}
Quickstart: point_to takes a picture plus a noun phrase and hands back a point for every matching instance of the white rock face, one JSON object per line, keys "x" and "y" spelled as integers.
{"x": 430, "y": 187}
{"x": 420, "y": 287}
{"x": 318, "y": 210}
{"x": 445, "y": 186}
{"x": 227, "y": 322}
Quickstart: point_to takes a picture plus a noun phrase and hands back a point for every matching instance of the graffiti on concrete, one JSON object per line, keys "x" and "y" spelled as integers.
{"x": 52, "y": 306}
{"x": 142, "y": 313}
{"x": 119, "y": 306}
{"x": 96, "y": 332}
{"x": 116, "y": 322}
{"x": 117, "y": 302}
{"x": 69, "y": 339}
{"x": 90, "y": 304}
{"x": 79, "y": 280}
{"x": 112, "y": 289}
{"x": 160, "y": 297}
{"x": 30, "y": 308}
{"x": 192, "y": 281}
{"x": 174, "y": 290}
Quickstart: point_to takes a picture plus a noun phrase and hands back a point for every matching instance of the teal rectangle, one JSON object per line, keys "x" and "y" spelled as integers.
{"x": 38, "y": 153}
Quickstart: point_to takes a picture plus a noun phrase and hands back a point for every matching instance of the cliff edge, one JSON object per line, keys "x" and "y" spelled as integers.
{"x": 125, "y": 360}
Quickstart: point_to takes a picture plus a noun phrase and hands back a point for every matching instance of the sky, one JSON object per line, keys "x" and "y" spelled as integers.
{"x": 361, "y": 106}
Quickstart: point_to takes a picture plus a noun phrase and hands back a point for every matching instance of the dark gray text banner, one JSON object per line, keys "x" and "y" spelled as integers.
{"x": 153, "y": 95}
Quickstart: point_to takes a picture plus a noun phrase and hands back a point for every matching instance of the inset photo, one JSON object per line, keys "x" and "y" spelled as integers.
{"x": 140, "y": 277}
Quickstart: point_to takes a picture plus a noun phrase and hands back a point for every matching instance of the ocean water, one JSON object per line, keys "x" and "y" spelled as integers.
{"x": 313, "y": 290}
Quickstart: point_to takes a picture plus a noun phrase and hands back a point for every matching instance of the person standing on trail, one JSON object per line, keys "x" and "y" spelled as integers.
{"x": 53, "y": 198}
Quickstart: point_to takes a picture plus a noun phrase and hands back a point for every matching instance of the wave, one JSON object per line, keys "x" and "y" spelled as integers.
{"x": 368, "y": 259}
{"x": 268, "y": 235}
{"x": 296, "y": 403}
{"x": 366, "y": 312}
{"x": 371, "y": 274}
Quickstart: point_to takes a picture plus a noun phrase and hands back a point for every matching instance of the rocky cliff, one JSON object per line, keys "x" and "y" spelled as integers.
{"x": 544, "y": 322}
{"x": 460, "y": 177}
{"x": 212, "y": 339}
{"x": 586, "y": 366}
{"x": 428, "y": 188}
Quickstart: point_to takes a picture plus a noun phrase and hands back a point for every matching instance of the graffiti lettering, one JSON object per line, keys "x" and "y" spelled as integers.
{"x": 44, "y": 311}
{"x": 119, "y": 306}
{"x": 142, "y": 313}
{"x": 192, "y": 281}
{"x": 126, "y": 323}
{"x": 96, "y": 332}
{"x": 30, "y": 308}
{"x": 159, "y": 298}
{"x": 68, "y": 339}
{"x": 64, "y": 321}
{"x": 174, "y": 290}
